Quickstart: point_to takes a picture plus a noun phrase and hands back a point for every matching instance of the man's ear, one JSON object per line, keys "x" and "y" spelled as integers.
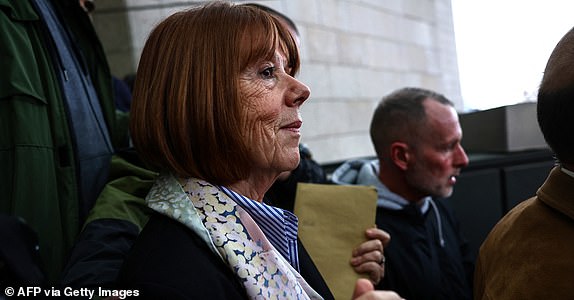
{"x": 400, "y": 155}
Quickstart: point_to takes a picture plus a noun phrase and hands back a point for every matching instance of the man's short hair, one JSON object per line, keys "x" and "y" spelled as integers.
{"x": 399, "y": 116}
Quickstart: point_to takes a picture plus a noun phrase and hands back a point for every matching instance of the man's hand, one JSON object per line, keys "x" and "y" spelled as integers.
{"x": 368, "y": 258}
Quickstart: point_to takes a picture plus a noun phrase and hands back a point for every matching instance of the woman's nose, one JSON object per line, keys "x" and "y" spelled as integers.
{"x": 298, "y": 93}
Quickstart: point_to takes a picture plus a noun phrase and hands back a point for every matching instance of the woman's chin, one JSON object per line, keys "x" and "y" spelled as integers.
{"x": 292, "y": 163}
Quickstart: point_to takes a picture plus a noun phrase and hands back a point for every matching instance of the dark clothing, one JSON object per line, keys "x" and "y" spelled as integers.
{"x": 112, "y": 226}
{"x": 20, "y": 262}
{"x": 97, "y": 257}
{"x": 122, "y": 95}
{"x": 417, "y": 267}
{"x": 427, "y": 257}
{"x": 90, "y": 135}
{"x": 181, "y": 266}
{"x": 48, "y": 177}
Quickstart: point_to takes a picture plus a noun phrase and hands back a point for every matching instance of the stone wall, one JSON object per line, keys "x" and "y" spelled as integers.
{"x": 353, "y": 53}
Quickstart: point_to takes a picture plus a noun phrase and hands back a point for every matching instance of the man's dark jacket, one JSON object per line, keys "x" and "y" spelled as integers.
{"x": 417, "y": 266}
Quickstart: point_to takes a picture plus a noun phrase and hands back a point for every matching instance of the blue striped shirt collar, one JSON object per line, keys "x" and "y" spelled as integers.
{"x": 278, "y": 225}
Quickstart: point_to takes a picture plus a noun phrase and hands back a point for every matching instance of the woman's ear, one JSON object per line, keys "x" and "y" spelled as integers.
{"x": 400, "y": 155}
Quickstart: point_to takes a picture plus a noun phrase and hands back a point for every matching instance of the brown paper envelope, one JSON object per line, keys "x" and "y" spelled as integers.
{"x": 332, "y": 221}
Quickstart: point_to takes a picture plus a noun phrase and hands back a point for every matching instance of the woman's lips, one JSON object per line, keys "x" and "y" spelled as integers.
{"x": 293, "y": 126}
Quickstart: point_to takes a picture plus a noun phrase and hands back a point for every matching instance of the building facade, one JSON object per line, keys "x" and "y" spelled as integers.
{"x": 353, "y": 53}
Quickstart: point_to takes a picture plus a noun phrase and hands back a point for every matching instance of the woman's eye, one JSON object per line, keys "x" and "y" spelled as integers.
{"x": 268, "y": 73}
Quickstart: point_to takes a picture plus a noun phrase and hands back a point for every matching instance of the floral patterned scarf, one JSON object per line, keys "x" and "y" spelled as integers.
{"x": 232, "y": 234}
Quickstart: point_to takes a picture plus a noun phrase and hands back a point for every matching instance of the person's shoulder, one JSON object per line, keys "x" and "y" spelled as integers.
{"x": 167, "y": 242}
{"x": 168, "y": 258}
{"x": 508, "y": 226}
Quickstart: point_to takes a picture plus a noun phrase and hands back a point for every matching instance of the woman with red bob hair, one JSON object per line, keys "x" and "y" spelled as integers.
{"x": 216, "y": 110}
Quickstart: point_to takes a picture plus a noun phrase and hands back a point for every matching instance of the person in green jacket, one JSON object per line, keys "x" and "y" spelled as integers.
{"x": 57, "y": 121}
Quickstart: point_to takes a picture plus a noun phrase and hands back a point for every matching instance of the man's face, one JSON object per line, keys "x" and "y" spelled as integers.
{"x": 437, "y": 156}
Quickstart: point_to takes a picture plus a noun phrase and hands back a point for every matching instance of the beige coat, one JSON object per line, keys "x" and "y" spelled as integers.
{"x": 530, "y": 252}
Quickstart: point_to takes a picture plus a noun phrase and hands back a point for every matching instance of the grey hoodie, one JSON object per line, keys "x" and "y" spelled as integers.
{"x": 365, "y": 172}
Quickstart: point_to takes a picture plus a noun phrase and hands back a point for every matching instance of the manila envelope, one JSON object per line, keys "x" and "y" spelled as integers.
{"x": 332, "y": 222}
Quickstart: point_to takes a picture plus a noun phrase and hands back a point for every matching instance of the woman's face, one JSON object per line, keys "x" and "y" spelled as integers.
{"x": 272, "y": 99}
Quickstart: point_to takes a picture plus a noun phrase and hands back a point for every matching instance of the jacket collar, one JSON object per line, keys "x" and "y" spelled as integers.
{"x": 557, "y": 192}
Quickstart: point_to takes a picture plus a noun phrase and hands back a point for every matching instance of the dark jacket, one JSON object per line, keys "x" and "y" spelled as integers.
{"x": 418, "y": 264}
{"x": 169, "y": 261}
{"x": 112, "y": 226}
{"x": 42, "y": 166}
